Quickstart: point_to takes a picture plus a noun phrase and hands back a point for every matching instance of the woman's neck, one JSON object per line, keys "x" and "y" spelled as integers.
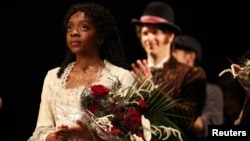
{"x": 85, "y": 73}
{"x": 84, "y": 64}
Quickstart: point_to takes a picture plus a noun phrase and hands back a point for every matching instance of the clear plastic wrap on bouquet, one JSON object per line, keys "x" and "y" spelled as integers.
{"x": 99, "y": 130}
{"x": 97, "y": 125}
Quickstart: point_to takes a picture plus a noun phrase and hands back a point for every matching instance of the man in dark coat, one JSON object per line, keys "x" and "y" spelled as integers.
{"x": 156, "y": 31}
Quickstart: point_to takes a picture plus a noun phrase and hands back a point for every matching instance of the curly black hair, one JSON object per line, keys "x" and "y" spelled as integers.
{"x": 112, "y": 48}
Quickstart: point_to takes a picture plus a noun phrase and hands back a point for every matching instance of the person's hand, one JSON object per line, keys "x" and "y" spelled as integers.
{"x": 79, "y": 131}
{"x": 198, "y": 127}
{"x": 141, "y": 71}
{"x": 53, "y": 137}
{"x": 58, "y": 135}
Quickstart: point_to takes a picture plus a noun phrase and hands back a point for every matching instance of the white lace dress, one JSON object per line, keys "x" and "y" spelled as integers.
{"x": 62, "y": 105}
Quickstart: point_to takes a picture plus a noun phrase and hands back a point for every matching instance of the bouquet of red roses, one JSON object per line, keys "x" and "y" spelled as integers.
{"x": 134, "y": 114}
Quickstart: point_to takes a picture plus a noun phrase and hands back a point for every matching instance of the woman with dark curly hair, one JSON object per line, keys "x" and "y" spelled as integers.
{"x": 94, "y": 55}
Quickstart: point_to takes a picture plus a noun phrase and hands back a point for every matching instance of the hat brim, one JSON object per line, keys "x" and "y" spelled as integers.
{"x": 170, "y": 25}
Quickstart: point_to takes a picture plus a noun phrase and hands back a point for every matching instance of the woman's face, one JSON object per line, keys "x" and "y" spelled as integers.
{"x": 81, "y": 36}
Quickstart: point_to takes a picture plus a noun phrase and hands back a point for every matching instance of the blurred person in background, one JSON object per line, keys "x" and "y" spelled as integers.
{"x": 156, "y": 31}
{"x": 188, "y": 50}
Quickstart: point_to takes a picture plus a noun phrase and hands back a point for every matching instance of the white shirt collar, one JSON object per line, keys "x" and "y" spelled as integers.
{"x": 159, "y": 65}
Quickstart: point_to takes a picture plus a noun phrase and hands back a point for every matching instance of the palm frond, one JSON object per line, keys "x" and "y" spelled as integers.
{"x": 158, "y": 102}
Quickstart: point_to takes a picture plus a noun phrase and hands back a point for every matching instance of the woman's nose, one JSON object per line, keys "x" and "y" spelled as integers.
{"x": 74, "y": 33}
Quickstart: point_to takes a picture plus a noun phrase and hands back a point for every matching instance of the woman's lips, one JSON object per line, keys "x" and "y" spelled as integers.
{"x": 75, "y": 43}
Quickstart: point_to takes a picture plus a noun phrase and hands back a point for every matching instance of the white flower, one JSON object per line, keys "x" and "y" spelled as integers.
{"x": 134, "y": 137}
{"x": 242, "y": 73}
{"x": 146, "y": 128}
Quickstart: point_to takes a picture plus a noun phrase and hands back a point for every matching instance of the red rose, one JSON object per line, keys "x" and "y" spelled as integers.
{"x": 133, "y": 115}
{"x": 119, "y": 112}
{"x": 99, "y": 90}
{"x": 142, "y": 104}
{"x": 93, "y": 108}
{"x": 115, "y": 131}
{"x": 133, "y": 120}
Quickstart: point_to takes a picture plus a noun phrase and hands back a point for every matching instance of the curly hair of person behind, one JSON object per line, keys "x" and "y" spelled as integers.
{"x": 112, "y": 48}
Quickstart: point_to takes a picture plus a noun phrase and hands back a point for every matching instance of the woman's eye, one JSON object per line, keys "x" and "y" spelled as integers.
{"x": 69, "y": 28}
{"x": 84, "y": 28}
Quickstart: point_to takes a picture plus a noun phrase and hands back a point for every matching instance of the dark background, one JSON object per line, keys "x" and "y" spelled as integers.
{"x": 32, "y": 43}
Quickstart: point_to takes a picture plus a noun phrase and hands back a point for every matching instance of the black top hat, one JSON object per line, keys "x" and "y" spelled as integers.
{"x": 158, "y": 13}
{"x": 187, "y": 42}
